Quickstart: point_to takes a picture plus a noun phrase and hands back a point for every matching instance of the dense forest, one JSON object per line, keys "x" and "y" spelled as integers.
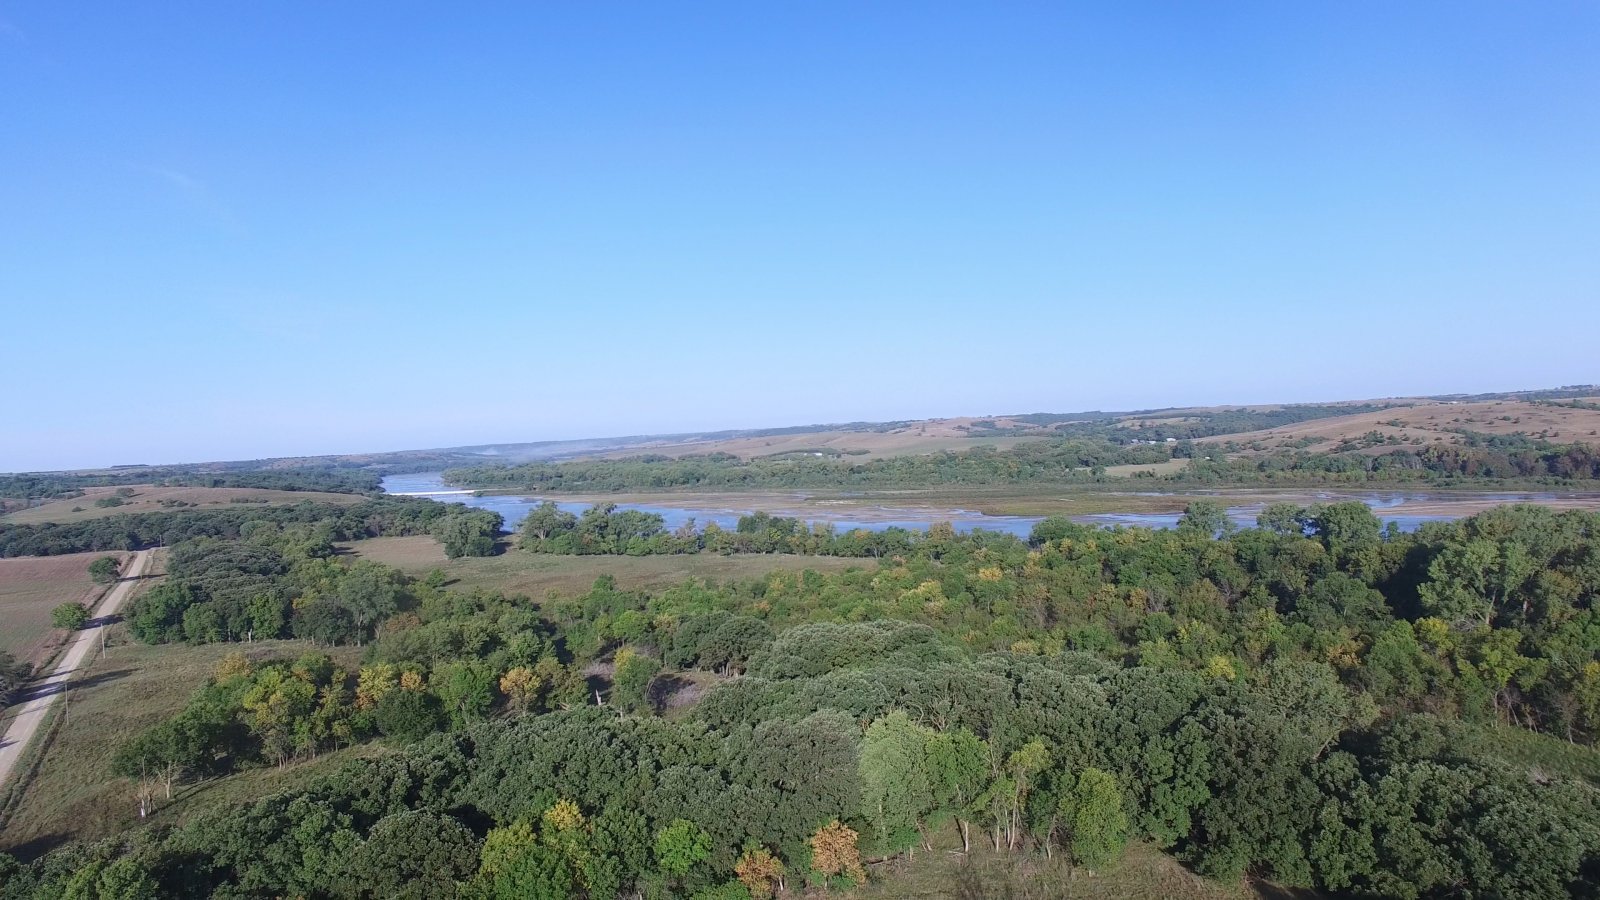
{"x": 1480, "y": 459}
{"x": 138, "y": 531}
{"x": 1314, "y": 701}
{"x": 50, "y": 485}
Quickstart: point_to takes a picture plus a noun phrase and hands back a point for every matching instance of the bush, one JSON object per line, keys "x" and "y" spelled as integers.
{"x": 105, "y": 569}
{"x": 71, "y": 616}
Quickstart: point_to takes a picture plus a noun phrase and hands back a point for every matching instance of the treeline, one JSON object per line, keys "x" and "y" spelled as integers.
{"x": 1184, "y": 424}
{"x": 1033, "y": 461}
{"x": 1058, "y": 462}
{"x": 605, "y": 529}
{"x": 282, "y": 580}
{"x": 332, "y": 479}
{"x": 1434, "y": 464}
{"x": 369, "y": 518}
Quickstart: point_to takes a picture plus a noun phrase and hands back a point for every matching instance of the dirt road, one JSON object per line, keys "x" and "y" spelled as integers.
{"x": 37, "y": 697}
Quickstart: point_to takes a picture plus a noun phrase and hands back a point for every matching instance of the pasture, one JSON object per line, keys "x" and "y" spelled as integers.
{"x": 1431, "y": 422}
{"x": 74, "y": 794}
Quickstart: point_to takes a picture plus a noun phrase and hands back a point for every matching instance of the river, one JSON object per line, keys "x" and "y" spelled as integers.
{"x": 1389, "y": 507}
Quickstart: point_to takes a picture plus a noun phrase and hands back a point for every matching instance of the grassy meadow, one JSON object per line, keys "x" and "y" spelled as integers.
{"x": 73, "y": 794}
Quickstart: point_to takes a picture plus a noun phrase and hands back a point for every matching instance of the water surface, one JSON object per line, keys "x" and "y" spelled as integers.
{"x": 515, "y": 508}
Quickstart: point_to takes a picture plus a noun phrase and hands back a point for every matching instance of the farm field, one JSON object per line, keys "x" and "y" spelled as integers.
{"x": 30, "y": 586}
{"x": 536, "y": 574}
{"x": 147, "y": 498}
{"x": 74, "y": 795}
{"x": 1432, "y": 422}
{"x": 929, "y": 436}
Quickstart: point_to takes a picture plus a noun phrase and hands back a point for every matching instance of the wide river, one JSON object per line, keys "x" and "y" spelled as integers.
{"x": 876, "y": 518}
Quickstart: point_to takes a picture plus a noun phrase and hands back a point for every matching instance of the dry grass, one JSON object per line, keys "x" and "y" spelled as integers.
{"x": 30, "y": 586}
{"x": 535, "y": 574}
{"x": 931, "y": 436}
{"x": 1434, "y": 423}
{"x": 74, "y": 794}
{"x": 1170, "y": 467}
{"x": 1144, "y": 873}
{"x": 147, "y": 498}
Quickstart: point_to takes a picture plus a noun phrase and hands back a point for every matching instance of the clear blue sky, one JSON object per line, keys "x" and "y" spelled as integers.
{"x": 242, "y": 230}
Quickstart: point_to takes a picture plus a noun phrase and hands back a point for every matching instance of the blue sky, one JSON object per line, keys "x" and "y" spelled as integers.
{"x": 232, "y": 231}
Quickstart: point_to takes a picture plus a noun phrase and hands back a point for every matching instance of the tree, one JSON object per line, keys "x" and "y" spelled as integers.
{"x": 514, "y": 865}
{"x": 543, "y": 523}
{"x": 412, "y": 854}
{"x": 1096, "y": 823}
{"x": 760, "y": 872}
{"x": 407, "y": 715}
{"x": 631, "y": 679}
{"x": 681, "y": 846}
{"x": 105, "y": 569}
{"x": 835, "y": 852}
{"x": 470, "y": 533}
{"x": 71, "y": 616}
{"x": 465, "y": 688}
{"x": 958, "y": 764}
{"x": 895, "y": 790}
{"x": 1206, "y": 518}
{"x": 521, "y": 685}
{"x": 367, "y": 592}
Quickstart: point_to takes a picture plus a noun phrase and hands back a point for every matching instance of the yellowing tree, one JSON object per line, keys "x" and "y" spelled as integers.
{"x": 834, "y": 851}
{"x": 521, "y": 687}
{"x": 760, "y": 872}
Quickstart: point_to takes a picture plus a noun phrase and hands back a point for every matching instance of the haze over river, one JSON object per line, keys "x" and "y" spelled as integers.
{"x": 1390, "y": 506}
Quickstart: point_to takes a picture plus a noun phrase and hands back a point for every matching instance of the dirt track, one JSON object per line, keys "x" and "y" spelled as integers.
{"x": 38, "y": 696}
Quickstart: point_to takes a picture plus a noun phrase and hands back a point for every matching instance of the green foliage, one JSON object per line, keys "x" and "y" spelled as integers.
{"x": 1094, "y": 821}
{"x": 71, "y": 616}
{"x": 681, "y": 846}
{"x": 1289, "y": 701}
{"x": 105, "y": 569}
{"x": 469, "y": 533}
{"x": 411, "y": 854}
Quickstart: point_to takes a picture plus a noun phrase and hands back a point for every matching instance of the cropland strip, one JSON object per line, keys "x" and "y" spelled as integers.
{"x": 41, "y": 694}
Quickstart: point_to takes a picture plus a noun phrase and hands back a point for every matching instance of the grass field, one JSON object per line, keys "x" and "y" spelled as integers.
{"x": 149, "y": 499}
{"x": 74, "y": 794}
{"x": 30, "y": 586}
{"x": 1144, "y": 873}
{"x": 1170, "y": 467}
{"x": 535, "y": 574}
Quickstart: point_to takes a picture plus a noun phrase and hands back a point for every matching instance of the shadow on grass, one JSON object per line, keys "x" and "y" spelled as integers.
{"x": 30, "y": 850}
{"x": 28, "y": 694}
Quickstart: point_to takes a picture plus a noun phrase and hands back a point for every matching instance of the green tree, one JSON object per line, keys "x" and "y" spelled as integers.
{"x": 895, "y": 787}
{"x": 1096, "y": 823}
{"x": 105, "y": 569}
{"x": 465, "y": 689}
{"x": 1205, "y": 518}
{"x": 71, "y": 616}
{"x": 412, "y": 854}
{"x": 630, "y": 681}
{"x": 470, "y": 533}
{"x": 680, "y": 847}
